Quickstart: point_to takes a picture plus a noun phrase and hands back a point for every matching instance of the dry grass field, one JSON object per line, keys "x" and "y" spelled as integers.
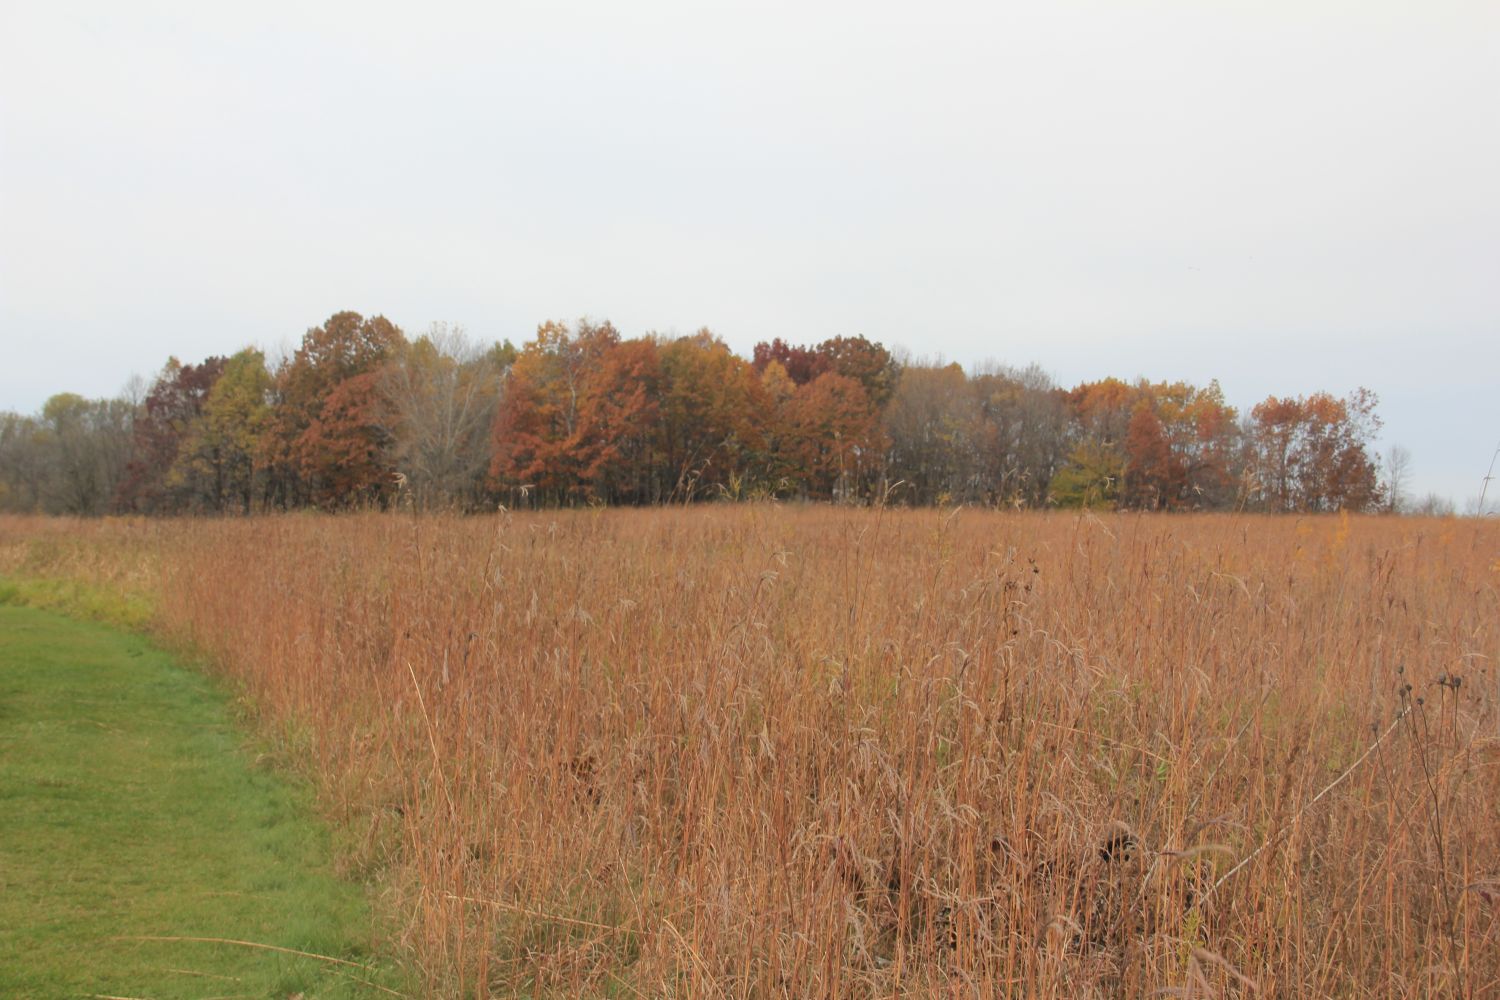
{"x": 760, "y": 751}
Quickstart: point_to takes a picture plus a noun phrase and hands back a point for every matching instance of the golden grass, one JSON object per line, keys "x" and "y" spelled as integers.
{"x": 758, "y": 751}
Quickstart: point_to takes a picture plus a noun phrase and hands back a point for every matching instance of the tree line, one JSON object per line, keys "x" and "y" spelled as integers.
{"x": 360, "y": 415}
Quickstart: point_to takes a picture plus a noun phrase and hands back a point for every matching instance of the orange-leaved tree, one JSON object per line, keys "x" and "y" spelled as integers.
{"x": 836, "y": 438}
{"x": 1311, "y": 453}
{"x": 1179, "y": 447}
{"x": 538, "y": 440}
{"x": 619, "y": 424}
{"x": 712, "y": 417}
{"x": 319, "y": 422}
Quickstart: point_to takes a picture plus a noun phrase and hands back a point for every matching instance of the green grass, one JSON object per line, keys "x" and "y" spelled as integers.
{"x": 130, "y": 808}
{"x": 79, "y": 599}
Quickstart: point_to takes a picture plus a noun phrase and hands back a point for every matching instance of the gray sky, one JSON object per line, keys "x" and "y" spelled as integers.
{"x": 1286, "y": 196}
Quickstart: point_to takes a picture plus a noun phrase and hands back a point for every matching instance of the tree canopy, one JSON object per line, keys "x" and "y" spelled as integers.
{"x": 359, "y": 414}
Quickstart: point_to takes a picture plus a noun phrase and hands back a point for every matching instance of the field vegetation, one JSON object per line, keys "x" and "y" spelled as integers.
{"x": 143, "y": 851}
{"x": 755, "y": 751}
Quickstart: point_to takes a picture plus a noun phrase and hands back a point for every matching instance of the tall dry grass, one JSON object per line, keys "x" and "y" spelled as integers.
{"x": 754, "y": 751}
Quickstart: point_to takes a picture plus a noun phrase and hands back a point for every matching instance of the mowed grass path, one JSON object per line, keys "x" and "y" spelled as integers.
{"x": 129, "y": 808}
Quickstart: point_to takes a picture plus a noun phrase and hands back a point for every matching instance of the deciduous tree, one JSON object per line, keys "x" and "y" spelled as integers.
{"x": 538, "y": 432}
{"x": 836, "y": 437}
{"x": 712, "y": 416}
{"x": 87, "y": 443}
{"x": 930, "y": 424}
{"x": 302, "y": 446}
{"x": 219, "y": 455}
{"x": 1310, "y": 453}
{"x": 441, "y": 392}
{"x": 167, "y": 418}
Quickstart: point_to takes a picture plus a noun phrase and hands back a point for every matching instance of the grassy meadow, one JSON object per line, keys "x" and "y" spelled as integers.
{"x": 142, "y": 851}
{"x": 756, "y": 751}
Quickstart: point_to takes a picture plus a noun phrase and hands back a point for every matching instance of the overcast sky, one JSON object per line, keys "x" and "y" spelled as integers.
{"x": 1285, "y": 196}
